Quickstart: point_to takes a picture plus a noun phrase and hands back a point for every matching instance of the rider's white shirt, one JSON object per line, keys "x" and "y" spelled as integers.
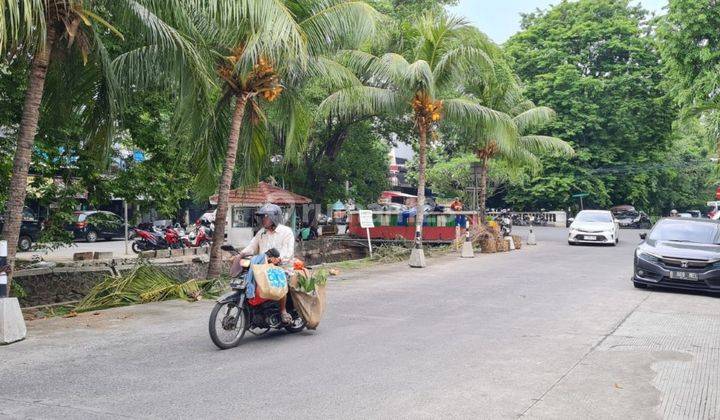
{"x": 282, "y": 239}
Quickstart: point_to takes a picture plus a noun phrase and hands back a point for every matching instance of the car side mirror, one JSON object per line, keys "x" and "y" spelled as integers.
{"x": 571, "y": 220}
{"x": 643, "y": 236}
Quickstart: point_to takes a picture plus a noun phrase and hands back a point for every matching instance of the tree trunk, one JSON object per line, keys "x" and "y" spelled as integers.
{"x": 483, "y": 188}
{"x": 25, "y": 141}
{"x": 420, "y": 206}
{"x": 215, "y": 265}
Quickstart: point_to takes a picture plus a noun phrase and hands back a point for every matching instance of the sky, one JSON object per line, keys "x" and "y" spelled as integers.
{"x": 501, "y": 18}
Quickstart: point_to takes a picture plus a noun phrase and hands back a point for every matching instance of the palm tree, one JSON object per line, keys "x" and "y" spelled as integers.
{"x": 261, "y": 63}
{"x": 63, "y": 37}
{"x": 427, "y": 89}
{"x": 521, "y": 148}
{"x": 502, "y": 92}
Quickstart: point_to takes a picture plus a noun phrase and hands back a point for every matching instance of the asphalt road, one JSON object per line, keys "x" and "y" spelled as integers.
{"x": 551, "y": 331}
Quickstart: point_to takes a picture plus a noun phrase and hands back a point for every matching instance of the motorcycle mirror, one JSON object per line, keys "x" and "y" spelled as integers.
{"x": 643, "y": 236}
{"x": 227, "y": 247}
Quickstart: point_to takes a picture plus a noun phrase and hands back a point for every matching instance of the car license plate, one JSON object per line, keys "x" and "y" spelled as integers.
{"x": 683, "y": 275}
{"x": 590, "y": 238}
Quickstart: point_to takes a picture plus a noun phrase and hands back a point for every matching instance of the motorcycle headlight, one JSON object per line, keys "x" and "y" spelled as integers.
{"x": 647, "y": 256}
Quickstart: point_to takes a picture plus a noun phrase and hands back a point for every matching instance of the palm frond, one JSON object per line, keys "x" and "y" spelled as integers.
{"x": 544, "y": 144}
{"x": 533, "y": 118}
{"x": 361, "y": 101}
{"x": 22, "y": 22}
{"x": 437, "y": 33}
{"x": 420, "y": 77}
{"x": 339, "y": 24}
{"x": 471, "y": 114}
{"x": 461, "y": 63}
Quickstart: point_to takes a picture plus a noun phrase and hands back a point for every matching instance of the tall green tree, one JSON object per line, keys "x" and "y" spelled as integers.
{"x": 595, "y": 63}
{"x": 690, "y": 47}
{"x": 62, "y": 37}
{"x": 689, "y": 43}
{"x": 426, "y": 90}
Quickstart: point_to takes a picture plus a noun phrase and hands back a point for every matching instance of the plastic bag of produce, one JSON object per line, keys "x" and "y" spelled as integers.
{"x": 270, "y": 281}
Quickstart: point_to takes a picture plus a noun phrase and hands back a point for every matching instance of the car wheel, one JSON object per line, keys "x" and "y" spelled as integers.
{"x": 639, "y": 285}
{"x": 91, "y": 236}
{"x": 24, "y": 243}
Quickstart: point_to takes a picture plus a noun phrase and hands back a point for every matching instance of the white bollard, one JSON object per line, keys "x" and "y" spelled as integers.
{"x": 417, "y": 255}
{"x": 467, "y": 248}
{"x": 531, "y": 238}
{"x": 12, "y": 323}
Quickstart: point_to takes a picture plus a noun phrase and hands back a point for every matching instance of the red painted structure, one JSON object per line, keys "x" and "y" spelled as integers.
{"x": 394, "y": 230}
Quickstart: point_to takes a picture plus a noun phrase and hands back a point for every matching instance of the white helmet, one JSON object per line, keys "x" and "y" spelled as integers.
{"x": 273, "y": 211}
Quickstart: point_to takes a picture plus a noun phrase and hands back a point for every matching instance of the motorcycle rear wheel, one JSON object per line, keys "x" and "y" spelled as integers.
{"x": 227, "y": 325}
{"x": 136, "y": 247}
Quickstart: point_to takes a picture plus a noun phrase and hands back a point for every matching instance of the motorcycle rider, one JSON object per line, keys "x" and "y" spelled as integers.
{"x": 273, "y": 234}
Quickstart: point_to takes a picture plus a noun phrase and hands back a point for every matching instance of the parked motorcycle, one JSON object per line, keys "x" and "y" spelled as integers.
{"x": 200, "y": 235}
{"x": 504, "y": 220}
{"x": 156, "y": 239}
{"x": 234, "y": 313}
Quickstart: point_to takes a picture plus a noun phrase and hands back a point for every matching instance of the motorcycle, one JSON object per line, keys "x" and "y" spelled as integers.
{"x": 200, "y": 236}
{"x": 235, "y": 313}
{"x": 504, "y": 220}
{"x": 156, "y": 239}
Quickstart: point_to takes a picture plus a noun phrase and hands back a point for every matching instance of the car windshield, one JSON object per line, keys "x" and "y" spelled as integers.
{"x": 593, "y": 217}
{"x": 685, "y": 231}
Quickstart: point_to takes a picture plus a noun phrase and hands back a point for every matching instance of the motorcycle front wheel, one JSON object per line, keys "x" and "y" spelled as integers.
{"x": 228, "y": 323}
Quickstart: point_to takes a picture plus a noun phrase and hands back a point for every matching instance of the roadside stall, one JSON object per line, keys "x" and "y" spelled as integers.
{"x": 437, "y": 226}
{"x": 243, "y": 202}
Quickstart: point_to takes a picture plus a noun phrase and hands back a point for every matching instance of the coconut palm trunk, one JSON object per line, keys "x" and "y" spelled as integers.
{"x": 215, "y": 265}
{"x": 422, "y": 163}
{"x": 483, "y": 188}
{"x": 25, "y": 141}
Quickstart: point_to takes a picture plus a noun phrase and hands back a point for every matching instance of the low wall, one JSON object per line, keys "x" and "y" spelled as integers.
{"x": 73, "y": 280}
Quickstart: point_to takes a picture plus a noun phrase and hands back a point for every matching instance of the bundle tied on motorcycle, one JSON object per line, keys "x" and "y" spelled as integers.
{"x": 270, "y": 281}
{"x": 308, "y": 295}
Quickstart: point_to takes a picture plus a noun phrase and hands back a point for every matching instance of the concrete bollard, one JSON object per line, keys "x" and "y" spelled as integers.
{"x": 417, "y": 255}
{"x": 467, "y": 248}
{"x": 531, "y": 238}
{"x": 12, "y": 323}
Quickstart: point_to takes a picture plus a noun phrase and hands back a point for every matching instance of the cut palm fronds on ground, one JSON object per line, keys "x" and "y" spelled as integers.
{"x": 142, "y": 285}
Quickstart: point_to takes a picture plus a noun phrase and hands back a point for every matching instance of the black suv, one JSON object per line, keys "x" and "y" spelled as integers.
{"x": 91, "y": 225}
{"x": 29, "y": 230}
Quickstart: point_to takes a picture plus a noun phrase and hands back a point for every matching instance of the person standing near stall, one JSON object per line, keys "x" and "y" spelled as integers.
{"x": 457, "y": 206}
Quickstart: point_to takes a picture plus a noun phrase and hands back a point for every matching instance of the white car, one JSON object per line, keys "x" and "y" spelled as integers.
{"x": 594, "y": 227}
